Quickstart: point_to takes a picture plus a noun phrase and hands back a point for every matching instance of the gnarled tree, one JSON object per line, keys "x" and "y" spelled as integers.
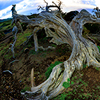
{"x": 84, "y": 51}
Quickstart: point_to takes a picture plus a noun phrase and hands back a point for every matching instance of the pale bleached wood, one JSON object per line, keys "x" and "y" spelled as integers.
{"x": 84, "y": 51}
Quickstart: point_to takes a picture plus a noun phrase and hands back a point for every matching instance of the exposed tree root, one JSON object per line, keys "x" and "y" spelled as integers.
{"x": 14, "y": 31}
{"x": 62, "y": 72}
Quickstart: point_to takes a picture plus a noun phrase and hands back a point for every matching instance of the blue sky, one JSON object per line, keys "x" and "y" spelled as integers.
{"x": 27, "y": 7}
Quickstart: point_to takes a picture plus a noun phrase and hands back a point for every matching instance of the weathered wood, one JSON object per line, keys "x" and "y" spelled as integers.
{"x": 16, "y": 21}
{"x": 14, "y": 31}
{"x": 35, "y": 38}
{"x": 84, "y": 51}
{"x": 32, "y": 78}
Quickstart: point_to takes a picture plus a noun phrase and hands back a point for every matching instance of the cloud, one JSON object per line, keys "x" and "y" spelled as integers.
{"x": 5, "y": 13}
{"x": 30, "y": 6}
{"x": 21, "y": 7}
{"x": 26, "y": 5}
{"x": 7, "y": 3}
{"x": 97, "y": 3}
{"x": 69, "y": 5}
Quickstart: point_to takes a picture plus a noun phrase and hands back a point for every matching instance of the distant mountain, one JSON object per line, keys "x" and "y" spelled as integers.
{"x": 29, "y": 16}
{"x": 3, "y": 20}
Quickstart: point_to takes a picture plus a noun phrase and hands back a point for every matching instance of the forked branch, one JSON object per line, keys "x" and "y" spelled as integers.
{"x": 53, "y": 6}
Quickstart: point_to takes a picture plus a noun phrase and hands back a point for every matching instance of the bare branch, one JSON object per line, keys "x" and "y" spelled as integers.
{"x": 14, "y": 31}
{"x": 54, "y": 3}
{"x": 59, "y": 3}
{"x": 39, "y": 7}
{"x": 46, "y": 3}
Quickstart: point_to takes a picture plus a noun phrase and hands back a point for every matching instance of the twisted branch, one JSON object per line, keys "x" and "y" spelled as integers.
{"x": 14, "y": 31}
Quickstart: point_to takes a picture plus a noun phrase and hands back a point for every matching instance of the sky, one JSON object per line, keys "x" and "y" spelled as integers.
{"x": 27, "y": 7}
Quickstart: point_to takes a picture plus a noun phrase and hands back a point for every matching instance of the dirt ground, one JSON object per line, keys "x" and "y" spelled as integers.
{"x": 12, "y": 84}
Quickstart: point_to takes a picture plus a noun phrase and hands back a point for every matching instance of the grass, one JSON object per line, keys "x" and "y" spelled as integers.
{"x": 1, "y": 46}
{"x": 98, "y": 48}
{"x": 68, "y": 83}
{"x": 26, "y": 88}
{"x": 75, "y": 90}
{"x": 1, "y": 24}
{"x": 6, "y": 26}
{"x": 85, "y": 31}
{"x": 4, "y": 49}
{"x": 32, "y": 52}
{"x": 29, "y": 79}
{"x": 84, "y": 65}
{"x": 43, "y": 53}
{"x": 1, "y": 61}
{"x": 70, "y": 95}
{"x": 97, "y": 68}
{"x": 21, "y": 37}
{"x": 2, "y": 35}
{"x": 29, "y": 46}
{"x": 7, "y": 56}
{"x": 54, "y": 45}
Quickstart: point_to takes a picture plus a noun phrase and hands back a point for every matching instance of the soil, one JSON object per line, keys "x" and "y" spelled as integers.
{"x": 12, "y": 84}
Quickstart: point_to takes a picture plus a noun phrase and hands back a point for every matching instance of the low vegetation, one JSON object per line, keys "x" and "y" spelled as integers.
{"x": 49, "y": 70}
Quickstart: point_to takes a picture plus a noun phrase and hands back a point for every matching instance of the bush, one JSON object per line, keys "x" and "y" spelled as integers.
{"x": 98, "y": 48}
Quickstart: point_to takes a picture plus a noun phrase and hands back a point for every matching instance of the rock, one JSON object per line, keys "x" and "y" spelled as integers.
{"x": 26, "y": 50}
{"x": 70, "y": 15}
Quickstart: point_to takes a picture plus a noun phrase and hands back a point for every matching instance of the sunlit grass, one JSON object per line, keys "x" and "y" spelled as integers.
{"x": 6, "y": 26}
{"x": 4, "y": 48}
{"x": 21, "y": 37}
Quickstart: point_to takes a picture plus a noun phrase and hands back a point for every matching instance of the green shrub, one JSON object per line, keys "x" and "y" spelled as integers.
{"x": 84, "y": 65}
{"x": 32, "y": 52}
{"x": 68, "y": 83}
{"x": 98, "y": 48}
{"x": 49, "y": 70}
{"x": 85, "y": 31}
{"x": 21, "y": 38}
{"x": 26, "y": 88}
{"x": 54, "y": 45}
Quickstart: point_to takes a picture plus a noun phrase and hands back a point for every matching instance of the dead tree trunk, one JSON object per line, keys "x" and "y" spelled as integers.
{"x": 15, "y": 20}
{"x": 83, "y": 51}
